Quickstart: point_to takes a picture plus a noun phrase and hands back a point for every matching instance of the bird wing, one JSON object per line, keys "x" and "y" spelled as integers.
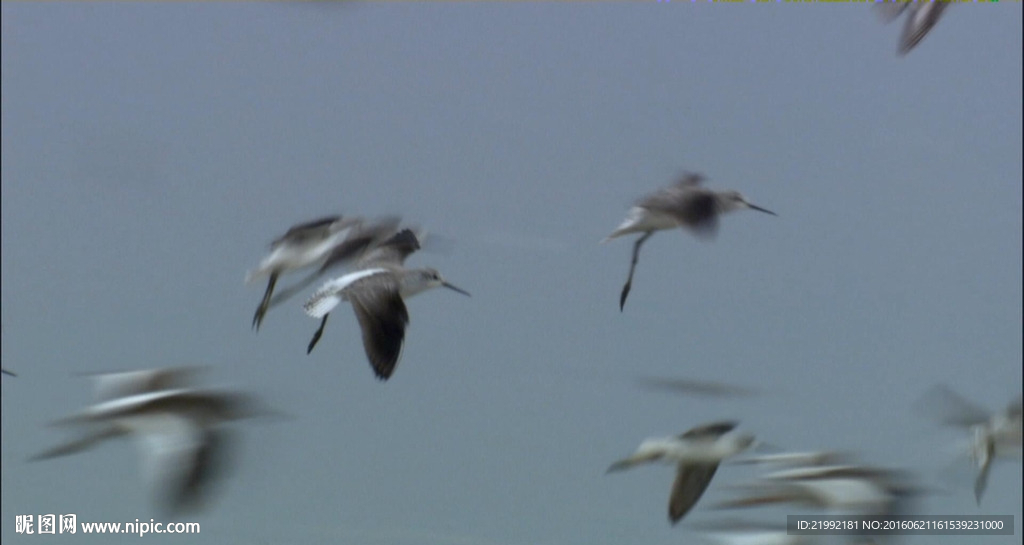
{"x": 84, "y": 442}
{"x": 948, "y": 408}
{"x": 109, "y": 386}
{"x": 361, "y": 242}
{"x": 121, "y": 407}
{"x": 382, "y": 318}
{"x": 692, "y": 206}
{"x": 304, "y": 232}
{"x": 713, "y": 429}
{"x": 691, "y": 482}
{"x": 889, "y": 11}
{"x": 922, "y": 18}
{"x": 698, "y": 210}
{"x": 392, "y": 251}
{"x": 690, "y": 179}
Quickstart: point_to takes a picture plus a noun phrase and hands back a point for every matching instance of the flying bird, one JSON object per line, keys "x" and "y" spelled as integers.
{"x": 844, "y": 488}
{"x": 696, "y": 455}
{"x": 992, "y": 435}
{"x": 183, "y": 443}
{"x": 363, "y": 238}
{"x": 684, "y": 204}
{"x": 302, "y": 246}
{"x": 377, "y": 289}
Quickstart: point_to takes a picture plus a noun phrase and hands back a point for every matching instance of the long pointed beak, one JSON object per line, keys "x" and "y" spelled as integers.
{"x": 759, "y": 209}
{"x": 618, "y": 466}
{"x": 453, "y": 288}
{"x": 625, "y": 463}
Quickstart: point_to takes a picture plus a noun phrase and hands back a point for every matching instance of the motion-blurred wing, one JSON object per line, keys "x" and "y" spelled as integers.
{"x": 691, "y": 482}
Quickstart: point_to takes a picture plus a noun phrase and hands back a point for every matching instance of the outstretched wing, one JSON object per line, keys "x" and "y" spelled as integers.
{"x": 304, "y": 232}
{"x": 691, "y": 482}
{"x": 922, "y": 18}
{"x": 84, "y": 442}
{"x": 948, "y": 408}
{"x": 714, "y": 429}
{"x": 382, "y": 318}
{"x": 888, "y": 11}
{"x": 393, "y": 251}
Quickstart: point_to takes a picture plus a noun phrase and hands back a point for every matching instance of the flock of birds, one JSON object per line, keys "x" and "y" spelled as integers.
{"x": 185, "y": 444}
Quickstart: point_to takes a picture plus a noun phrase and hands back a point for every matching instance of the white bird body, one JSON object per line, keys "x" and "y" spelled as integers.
{"x": 642, "y": 220}
{"x": 675, "y": 450}
{"x": 332, "y": 292}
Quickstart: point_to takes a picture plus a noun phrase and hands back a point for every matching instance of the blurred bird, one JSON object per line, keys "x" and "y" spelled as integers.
{"x": 696, "y": 455}
{"x": 992, "y": 435}
{"x": 839, "y": 488}
{"x": 363, "y": 238}
{"x": 302, "y": 246}
{"x": 377, "y": 290}
{"x": 183, "y": 444}
{"x": 684, "y": 204}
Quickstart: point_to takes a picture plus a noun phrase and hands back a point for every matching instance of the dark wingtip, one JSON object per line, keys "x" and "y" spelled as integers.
{"x": 622, "y": 297}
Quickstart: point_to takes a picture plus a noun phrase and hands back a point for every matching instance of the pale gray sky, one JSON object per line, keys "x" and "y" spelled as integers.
{"x": 151, "y": 151}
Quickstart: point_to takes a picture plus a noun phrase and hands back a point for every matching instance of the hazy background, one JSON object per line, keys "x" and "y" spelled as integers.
{"x": 151, "y": 151}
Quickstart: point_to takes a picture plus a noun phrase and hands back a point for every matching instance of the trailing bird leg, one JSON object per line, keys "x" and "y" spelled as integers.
{"x": 316, "y": 336}
{"x": 632, "y": 268}
{"x": 262, "y": 309}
